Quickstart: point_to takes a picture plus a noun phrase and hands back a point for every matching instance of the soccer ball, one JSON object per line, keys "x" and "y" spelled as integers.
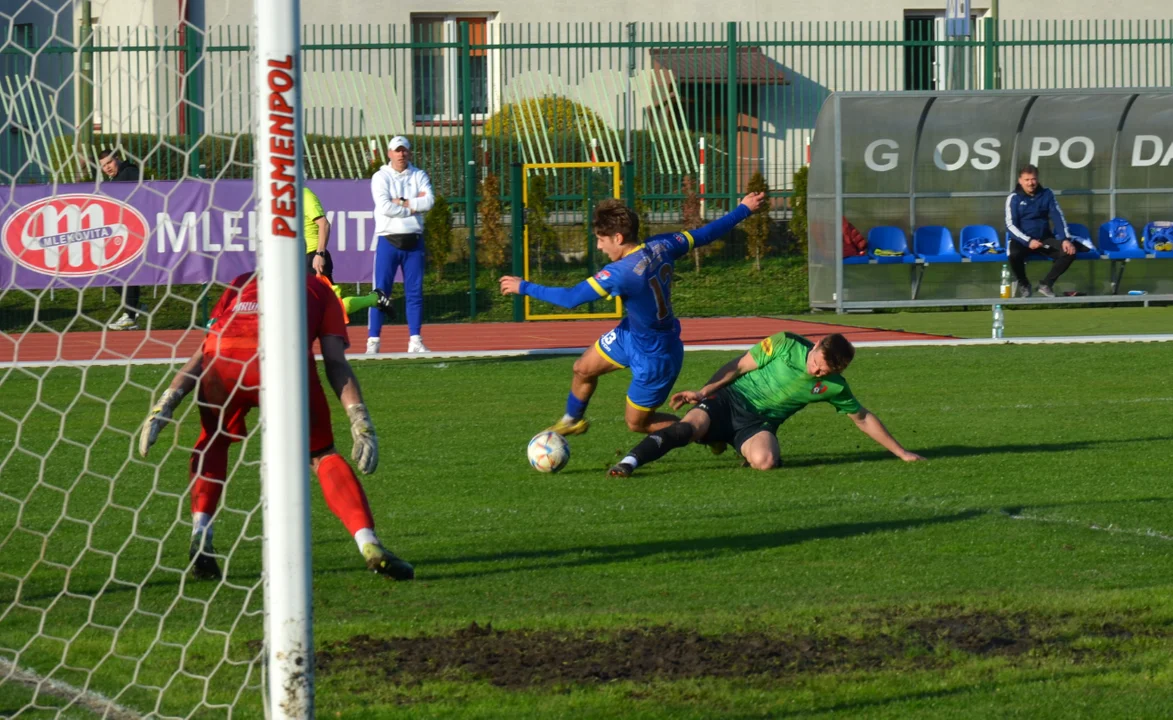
{"x": 548, "y": 452}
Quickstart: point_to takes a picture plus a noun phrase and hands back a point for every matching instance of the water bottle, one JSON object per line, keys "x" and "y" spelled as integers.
{"x": 999, "y": 322}
{"x": 1004, "y": 291}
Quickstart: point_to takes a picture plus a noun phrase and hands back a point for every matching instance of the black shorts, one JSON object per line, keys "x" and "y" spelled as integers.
{"x": 731, "y": 420}
{"x": 327, "y": 270}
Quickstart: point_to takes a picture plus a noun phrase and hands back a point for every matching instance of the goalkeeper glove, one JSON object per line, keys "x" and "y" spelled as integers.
{"x": 366, "y": 445}
{"x": 160, "y": 416}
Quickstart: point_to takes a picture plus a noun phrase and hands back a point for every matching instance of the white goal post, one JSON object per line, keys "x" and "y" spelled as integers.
{"x": 283, "y": 358}
{"x": 104, "y": 608}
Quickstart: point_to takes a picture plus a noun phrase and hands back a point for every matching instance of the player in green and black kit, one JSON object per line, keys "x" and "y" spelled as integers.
{"x": 750, "y": 396}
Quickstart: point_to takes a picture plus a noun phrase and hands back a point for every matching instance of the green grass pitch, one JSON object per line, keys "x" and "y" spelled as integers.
{"x": 1024, "y": 570}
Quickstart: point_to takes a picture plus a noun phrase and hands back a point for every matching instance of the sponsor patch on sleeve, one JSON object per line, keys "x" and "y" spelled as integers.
{"x": 768, "y": 346}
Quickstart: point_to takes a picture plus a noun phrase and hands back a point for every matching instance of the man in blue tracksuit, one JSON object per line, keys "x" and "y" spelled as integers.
{"x": 1036, "y": 224}
{"x": 403, "y": 195}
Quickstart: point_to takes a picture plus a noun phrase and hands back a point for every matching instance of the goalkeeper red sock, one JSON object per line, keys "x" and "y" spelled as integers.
{"x": 209, "y": 467}
{"x": 344, "y": 493}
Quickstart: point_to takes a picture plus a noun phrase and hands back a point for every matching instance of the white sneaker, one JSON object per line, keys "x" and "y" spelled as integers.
{"x": 373, "y": 346}
{"x": 126, "y": 322}
{"x": 416, "y": 345}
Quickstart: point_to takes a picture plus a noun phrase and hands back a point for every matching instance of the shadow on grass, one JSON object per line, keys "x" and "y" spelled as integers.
{"x": 582, "y": 556}
{"x": 919, "y": 695}
{"x": 698, "y": 548}
{"x": 951, "y": 451}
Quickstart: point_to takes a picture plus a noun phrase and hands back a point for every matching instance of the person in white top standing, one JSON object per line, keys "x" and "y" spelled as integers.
{"x": 402, "y": 194}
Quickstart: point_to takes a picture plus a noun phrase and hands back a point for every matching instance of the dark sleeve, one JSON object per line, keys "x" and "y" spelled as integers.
{"x": 1012, "y": 221}
{"x": 127, "y": 173}
{"x": 1058, "y": 222}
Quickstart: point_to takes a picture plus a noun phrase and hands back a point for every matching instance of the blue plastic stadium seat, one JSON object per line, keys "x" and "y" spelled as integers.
{"x": 1148, "y": 245}
{"x": 1081, "y": 231}
{"x": 934, "y": 244}
{"x": 981, "y": 234}
{"x": 1120, "y": 248}
{"x": 888, "y": 237}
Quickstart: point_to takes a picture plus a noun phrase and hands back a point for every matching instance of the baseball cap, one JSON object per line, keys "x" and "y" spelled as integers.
{"x": 398, "y": 141}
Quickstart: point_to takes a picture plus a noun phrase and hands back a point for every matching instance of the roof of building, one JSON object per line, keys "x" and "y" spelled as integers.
{"x": 711, "y": 65}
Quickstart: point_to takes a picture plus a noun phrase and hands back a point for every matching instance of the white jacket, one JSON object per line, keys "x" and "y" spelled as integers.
{"x": 413, "y": 184}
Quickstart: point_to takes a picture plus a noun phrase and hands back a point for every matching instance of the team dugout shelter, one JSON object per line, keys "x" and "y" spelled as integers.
{"x": 925, "y": 177}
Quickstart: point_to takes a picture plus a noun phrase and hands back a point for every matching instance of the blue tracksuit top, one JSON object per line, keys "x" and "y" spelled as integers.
{"x": 1032, "y": 216}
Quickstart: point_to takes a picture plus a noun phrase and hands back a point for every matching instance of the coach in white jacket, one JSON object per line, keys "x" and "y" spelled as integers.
{"x": 402, "y": 194}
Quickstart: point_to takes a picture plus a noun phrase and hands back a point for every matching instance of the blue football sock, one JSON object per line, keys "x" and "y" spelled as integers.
{"x": 575, "y": 408}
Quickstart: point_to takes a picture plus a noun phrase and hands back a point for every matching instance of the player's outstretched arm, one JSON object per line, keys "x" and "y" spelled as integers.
{"x": 708, "y": 233}
{"x": 729, "y": 372}
{"x": 570, "y": 297}
{"x": 182, "y": 384}
{"x": 873, "y": 428}
{"x": 341, "y": 378}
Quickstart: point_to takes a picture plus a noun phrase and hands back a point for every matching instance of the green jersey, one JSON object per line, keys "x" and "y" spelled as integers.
{"x": 313, "y": 211}
{"x": 781, "y": 385}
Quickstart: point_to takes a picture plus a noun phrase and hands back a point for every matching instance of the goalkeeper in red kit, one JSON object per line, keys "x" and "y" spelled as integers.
{"x": 227, "y": 370}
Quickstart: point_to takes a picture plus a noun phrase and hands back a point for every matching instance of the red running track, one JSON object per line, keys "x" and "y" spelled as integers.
{"x": 467, "y": 337}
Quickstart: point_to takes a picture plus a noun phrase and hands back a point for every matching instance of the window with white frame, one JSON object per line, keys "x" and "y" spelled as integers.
{"x": 437, "y": 73}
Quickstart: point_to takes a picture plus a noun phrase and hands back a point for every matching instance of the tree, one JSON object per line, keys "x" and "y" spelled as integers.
{"x": 549, "y": 114}
{"x": 798, "y": 216}
{"x": 543, "y": 240}
{"x": 757, "y": 227}
{"x": 692, "y": 219}
{"x": 438, "y": 234}
{"x": 492, "y": 240}
{"x": 642, "y": 210}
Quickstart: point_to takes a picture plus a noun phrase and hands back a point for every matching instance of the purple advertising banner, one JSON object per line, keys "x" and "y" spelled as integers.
{"x": 159, "y": 233}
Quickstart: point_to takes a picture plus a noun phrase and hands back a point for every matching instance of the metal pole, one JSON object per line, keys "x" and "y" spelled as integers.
{"x": 731, "y": 93}
{"x": 994, "y": 44}
{"x": 85, "y": 110}
{"x": 470, "y": 167}
{"x": 701, "y": 183}
{"x": 517, "y": 227}
{"x": 838, "y": 250}
{"x": 628, "y": 100}
{"x": 588, "y": 213}
{"x": 284, "y": 361}
{"x": 988, "y": 63}
{"x": 629, "y": 184}
{"x": 193, "y": 86}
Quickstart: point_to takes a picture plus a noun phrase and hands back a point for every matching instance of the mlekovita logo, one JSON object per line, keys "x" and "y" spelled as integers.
{"x": 75, "y": 235}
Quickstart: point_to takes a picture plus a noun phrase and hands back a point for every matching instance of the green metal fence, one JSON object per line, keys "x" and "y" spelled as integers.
{"x": 476, "y": 98}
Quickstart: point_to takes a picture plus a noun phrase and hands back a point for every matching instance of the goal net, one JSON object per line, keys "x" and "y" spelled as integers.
{"x": 124, "y": 217}
{"x": 560, "y": 200}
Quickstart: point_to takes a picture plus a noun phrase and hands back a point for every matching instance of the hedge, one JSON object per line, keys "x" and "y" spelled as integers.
{"x": 166, "y": 157}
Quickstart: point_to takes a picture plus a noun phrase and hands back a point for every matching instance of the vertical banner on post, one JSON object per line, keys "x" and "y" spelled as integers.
{"x": 284, "y": 362}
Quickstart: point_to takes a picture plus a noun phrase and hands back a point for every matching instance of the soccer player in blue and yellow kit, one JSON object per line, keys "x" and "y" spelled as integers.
{"x": 647, "y": 340}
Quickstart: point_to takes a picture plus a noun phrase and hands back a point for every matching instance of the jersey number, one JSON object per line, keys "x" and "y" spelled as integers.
{"x": 661, "y": 284}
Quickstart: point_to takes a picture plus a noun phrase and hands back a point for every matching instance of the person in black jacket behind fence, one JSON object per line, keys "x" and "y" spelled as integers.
{"x": 118, "y": 170}
{"x": 1036, "y": 224}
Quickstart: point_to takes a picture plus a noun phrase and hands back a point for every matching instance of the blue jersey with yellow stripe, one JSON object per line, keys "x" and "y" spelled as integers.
{"x": 643, "y": 278}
